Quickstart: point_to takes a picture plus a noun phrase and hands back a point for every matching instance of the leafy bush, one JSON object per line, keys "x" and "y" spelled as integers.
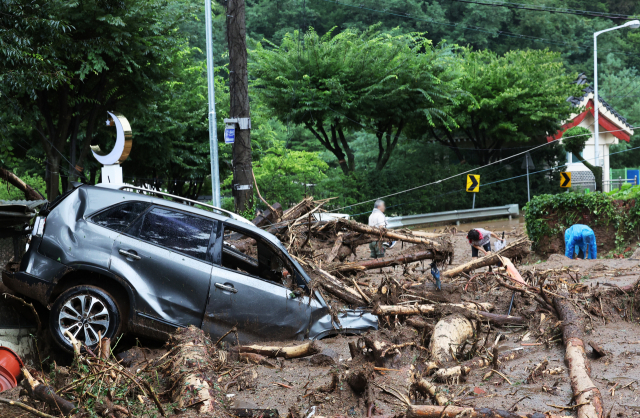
{"x": 548, "y": 215}
{"x": 626, "y": 192}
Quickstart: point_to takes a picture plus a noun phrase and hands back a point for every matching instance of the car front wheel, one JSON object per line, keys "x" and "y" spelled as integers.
{"x": 86, "y": 312}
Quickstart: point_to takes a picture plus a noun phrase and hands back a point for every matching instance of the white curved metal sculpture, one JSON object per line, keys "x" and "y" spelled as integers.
{"x": 122, "y": 148}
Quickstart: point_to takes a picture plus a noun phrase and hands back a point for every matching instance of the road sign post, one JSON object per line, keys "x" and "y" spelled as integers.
{"x": 528, "y": 163}
{"x": 565, "y": 179}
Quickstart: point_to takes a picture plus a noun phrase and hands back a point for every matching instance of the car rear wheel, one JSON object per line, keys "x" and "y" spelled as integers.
{"x": 87, "y": 313}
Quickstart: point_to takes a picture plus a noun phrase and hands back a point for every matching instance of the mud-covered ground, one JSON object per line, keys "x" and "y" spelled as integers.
{"x": 611, "y": 321}
{"x": 616, "y": 375}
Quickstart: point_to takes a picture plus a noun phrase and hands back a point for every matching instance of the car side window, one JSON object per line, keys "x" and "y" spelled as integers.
{"x": 255, "y": 257}
{"x": 120, "y": 216}
{"x": 175, "y": 230}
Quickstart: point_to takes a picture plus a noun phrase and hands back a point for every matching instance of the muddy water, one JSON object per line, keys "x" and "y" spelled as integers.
{"x": 494, "y": 225}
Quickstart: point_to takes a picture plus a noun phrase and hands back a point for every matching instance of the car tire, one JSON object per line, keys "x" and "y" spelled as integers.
{"x": 86, "y": 312}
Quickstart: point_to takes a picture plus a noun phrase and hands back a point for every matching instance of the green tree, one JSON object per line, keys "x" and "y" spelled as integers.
{"x": 514, "y": 98}
{"x": 111, "y": 55}
{"x": 337, "y": 84}
{"x": 573, "y": 141}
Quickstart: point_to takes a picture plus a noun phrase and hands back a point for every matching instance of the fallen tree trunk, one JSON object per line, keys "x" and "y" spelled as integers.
{"x": 190, "y": 359}
{"x": 337, "y": 288}
{"x": 295, "y": 351}
{"x": 426, "y": 309}
{"x": 47, "y": 394}
{"x": 517, "y": 248}
{"x": 390, "y": 234}
{"x": 430, "y": 411}
{"x": 382, "y": 262}
{"x": 454, "y": 373}
{"x": 585, "y": 392}
{"x": 448, "y": 334}
{"x": 29, "y": 192}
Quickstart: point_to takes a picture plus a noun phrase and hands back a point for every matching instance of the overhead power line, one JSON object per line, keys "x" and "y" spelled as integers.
{"x": 475, "y": 169}
{"x": 540, "y": 8}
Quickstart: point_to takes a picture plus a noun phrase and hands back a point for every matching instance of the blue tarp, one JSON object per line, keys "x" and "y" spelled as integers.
{"x": 578, "y": 237}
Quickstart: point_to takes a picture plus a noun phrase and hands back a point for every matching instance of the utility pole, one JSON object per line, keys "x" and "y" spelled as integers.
{"x": 213, "y": 131}
{"x": 239, "y": 89}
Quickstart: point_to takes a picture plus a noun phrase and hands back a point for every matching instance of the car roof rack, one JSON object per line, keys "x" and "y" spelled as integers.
{"x": 184, "y": 199}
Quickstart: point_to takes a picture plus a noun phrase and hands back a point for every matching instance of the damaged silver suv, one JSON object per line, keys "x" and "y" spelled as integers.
{"x": 107, "y": 261}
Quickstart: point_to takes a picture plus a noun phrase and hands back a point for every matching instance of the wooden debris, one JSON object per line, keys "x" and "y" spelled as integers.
{"x": 382, "y": 262}
{"x": 448, "y": 334}
{"x": 47, "y": 394}
{"x": 428, "y": 411}
{"x": 295, "y": 351}
{"x": 597, "y": 350}
{"x": 393, "y": 235}
{"x": 517, "y": 248}
{"x": 585, "y": 392}
{"x": 426, "y": 389}
{"x": 425, "y": 309}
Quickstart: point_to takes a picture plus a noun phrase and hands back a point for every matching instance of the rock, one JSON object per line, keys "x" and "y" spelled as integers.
{"x": 558, "y": 258}
{"x": 635, "y": 255}
{"x": 327, "y": 357}
{"x": 132, "y": 356}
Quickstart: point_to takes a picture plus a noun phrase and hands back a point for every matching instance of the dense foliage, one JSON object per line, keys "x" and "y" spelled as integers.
{"x": 514, "y": 98}
{"x": 337, "y": 83}
{"x": 349, "y": 98}
{"x": 548, "y": 215}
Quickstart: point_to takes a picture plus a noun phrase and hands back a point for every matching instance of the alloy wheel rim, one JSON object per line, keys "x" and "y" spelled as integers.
{"x": 85, "y": 317}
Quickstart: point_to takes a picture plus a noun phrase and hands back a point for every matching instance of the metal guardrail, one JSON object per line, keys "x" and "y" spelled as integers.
{"x": 454, "y": 215}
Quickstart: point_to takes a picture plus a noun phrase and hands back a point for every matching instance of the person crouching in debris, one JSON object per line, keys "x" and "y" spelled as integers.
{"x": 583, "y": 238}
{"x": 480, "y": 240}
{"x": 378, "y": 220}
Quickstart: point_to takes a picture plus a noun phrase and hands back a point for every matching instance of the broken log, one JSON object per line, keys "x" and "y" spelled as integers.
{"x": 430, "y": 411}
{"x": 418, "y": 322}
{"x": 337, "y": 288}
{"x": 393, "y": 235}
{"x": 426, "y": 309}
{"x": 481, "y": 316}
{"x": 46, "y": 394}
{"x": 382, "y": 262}
{"x": 518, "y": 248}
{"x": 454, "y": 373}
{"x": 295, "y": 351}
{"x": 191, "y": 355}
{"x": 597, "y": 350}
{"x": 25, "y": 407}
{"x": 334, "y": 251}
{"x": 29, "y": 192}
{"x": 448, "y": 334}
{"x": 426, "y": 389}
{"x": 268, "y": 217}
{"x": 585, "y": 392}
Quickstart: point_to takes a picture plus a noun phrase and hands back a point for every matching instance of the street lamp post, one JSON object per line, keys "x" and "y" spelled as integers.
{"x": 213, "y": 132}
{"x": 630, "y": 24}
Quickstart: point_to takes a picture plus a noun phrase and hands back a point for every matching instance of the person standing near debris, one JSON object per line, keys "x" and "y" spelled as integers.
{"x": 584, "y": 239}
{"x": 378, "y": 220}
{"x": 480, "y": 240}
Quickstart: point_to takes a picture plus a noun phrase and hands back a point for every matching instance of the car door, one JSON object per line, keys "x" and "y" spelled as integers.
{"x": 242, "y": 295}
{"x": 164, "y": 255}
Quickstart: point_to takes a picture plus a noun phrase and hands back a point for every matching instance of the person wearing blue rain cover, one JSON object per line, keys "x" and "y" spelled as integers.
{"x": 580, "y": 236}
